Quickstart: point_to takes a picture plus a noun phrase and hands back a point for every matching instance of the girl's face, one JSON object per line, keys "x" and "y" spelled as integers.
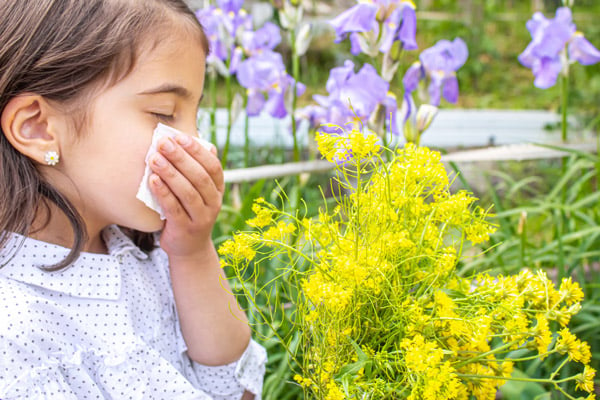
{"x": 104, "y": 164}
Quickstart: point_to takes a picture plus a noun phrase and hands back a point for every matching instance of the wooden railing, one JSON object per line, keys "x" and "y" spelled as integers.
{"x": 514, "y": 152}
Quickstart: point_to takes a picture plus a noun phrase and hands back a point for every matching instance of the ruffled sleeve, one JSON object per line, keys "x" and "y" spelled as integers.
{"x": 24, "y": 376}
{"x": 230, "y": 381}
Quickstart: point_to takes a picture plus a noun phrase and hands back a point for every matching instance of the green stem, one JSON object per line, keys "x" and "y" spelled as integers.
{"x": 560, "y": 231}
{"x": 484, "y": 355}
{"x": 564, "y": 109}
{"x": 296, "y": 77}
{"x": 357, "y": 213}
{"x": 534, "y": 357}
{"x": 597, "y": 160}
{"x": 511, "y": 378}
{"x": 384, "y": 139}
{"x": 213, "y": 106}
{"x": 562, "y": 219}
{"x": 523, "y": 241}
{"x": 268, "y": 322}
{"x": 246, "y": 134}
{"x": 229, "y": 92}
{"x": 559, "y": 368}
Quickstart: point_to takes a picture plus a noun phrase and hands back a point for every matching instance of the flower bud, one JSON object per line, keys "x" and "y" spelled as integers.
{"x": 236, "y": 106}
{"x": 425, "y": 117}
{"x": 410, "y": 132}
{"x": 522, "y": 221}
{"x": 390, "y": 66}
{"x": 290, "y": 16}
{"x": 303, "y": 39}
{"x": 377, "y": 119}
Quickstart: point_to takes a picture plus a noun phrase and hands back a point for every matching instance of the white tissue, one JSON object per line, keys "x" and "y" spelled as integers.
{"x": 144, "y": 194}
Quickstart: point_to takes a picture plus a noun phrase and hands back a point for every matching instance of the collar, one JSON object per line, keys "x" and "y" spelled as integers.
{"x": 92, "y": 276}
{"x": 119, "y": 244}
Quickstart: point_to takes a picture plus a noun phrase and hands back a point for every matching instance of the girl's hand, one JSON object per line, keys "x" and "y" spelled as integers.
{"x": 188, "y": 183}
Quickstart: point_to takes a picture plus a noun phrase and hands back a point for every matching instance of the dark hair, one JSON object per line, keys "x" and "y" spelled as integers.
{"x": 62, "y": 50}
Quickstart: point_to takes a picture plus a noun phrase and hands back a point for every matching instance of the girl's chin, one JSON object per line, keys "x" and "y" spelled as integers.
{"x": 149, "y": 222}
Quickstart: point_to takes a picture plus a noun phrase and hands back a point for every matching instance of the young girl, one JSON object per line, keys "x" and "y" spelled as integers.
{"x": 92, "y": 305}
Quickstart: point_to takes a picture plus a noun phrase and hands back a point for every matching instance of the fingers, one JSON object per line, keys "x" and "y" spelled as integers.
{"x": 191, "y": 174}
{"x": 170, "y": 204}
{"x": 208, "y": 158}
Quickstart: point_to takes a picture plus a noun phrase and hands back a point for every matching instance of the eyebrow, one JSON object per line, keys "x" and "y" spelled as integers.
{"x": 177, "y": 90}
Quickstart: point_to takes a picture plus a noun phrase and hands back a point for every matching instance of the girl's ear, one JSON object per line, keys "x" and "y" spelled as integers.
{"x": 27, "y": 122}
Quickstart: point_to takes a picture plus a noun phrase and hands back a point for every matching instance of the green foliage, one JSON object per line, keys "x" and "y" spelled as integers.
{"x": 548, "y": 217}
{"x": 363, "y": 300}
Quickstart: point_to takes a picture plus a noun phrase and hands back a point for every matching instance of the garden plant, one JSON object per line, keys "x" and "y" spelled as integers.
{"x": 387, "y": 282}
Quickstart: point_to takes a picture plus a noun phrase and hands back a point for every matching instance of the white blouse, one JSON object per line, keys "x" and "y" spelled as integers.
{"x": 104, "y": 328}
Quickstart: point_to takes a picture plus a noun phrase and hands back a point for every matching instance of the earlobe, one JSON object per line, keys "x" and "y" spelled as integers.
{"x": 26, "y": 124}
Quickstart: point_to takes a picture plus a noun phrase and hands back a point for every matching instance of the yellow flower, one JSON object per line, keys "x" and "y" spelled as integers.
{"x": 334, "y": 392}
{"x": 279, "y": 231}
{"x": 568, "y": 343}
{"x": 239, "y": 248}
{"x": 570, "y": 291}
{"x": 585, "y": 380}
{"x": 516, "y": 328}
{"x": 421, "y": 355}
{"x": 363, "y": 146}
{"x": 302, "y": 381}
{"x": 320, "y": 291}
{"x": 376, "y": 277}
{"x": 479, "y": 231}
{"x": 543, "y": 336}
{"x": 264, "y": 216}
{"x": 340, "y": 148}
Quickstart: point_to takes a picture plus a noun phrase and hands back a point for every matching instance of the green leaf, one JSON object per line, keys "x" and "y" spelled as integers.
{"x": 517, "y": 390}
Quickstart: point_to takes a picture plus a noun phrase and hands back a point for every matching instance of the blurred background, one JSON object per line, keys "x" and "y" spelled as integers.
{"x": 495, "y": 33}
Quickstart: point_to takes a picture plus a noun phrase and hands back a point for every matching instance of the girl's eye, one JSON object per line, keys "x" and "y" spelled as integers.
{"x": 164, "y": 117}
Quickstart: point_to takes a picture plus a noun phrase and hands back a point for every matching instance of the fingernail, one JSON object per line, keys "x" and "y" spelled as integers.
{"x": 156, "y": 180}
{"x": 168, "y": 146}
{"x": 183, "y": 140}
{"x": 159, "y": 160}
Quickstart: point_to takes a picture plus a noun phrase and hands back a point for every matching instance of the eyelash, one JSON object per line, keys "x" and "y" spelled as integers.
{"x": 168, "y": 118}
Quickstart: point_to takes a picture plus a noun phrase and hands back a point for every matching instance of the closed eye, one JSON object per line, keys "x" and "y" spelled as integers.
{"x": 164, "y": 117}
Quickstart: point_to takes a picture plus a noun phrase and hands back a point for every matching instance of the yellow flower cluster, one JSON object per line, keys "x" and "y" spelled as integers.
{"x": 381, "y": 310}
{"x": 352, "y": 146}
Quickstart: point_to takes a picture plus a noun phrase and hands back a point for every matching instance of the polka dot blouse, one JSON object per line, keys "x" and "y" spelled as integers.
{"x": 104, "y": 328}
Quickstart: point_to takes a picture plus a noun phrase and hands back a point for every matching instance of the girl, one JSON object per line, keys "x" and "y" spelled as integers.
{"x": 92, "y": 306}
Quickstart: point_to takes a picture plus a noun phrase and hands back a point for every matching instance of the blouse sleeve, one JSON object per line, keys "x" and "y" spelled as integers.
{"x": 24, "y": 376}
{"x": 228, "y": 382}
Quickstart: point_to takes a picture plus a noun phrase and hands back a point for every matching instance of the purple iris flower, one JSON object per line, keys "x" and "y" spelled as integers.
{"x": 582, "y": 50}
{"x": 555, "y": 44}
{"x": 396, "y": 19}
{"x": 211, "y": 21}
{"x": 401, "y": 26}
{"x": 264, "y": 74}
{"x": 438, "y": 63}
{"x": 353, "y": 97}
{"x": 359, "y": 18}
{"x": 222, "y": 25}
{"x": 233, "y": 6}
{"x": 265, "y": 38}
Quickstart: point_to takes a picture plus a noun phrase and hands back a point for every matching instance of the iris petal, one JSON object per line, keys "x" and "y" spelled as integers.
{"x": 581, "y": 50}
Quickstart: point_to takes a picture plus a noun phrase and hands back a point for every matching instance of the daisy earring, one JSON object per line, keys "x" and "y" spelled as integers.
{"x": 52, "y": 158}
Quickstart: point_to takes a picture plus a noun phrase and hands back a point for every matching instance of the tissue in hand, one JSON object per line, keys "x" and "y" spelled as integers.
{"x": 144, "y": 194}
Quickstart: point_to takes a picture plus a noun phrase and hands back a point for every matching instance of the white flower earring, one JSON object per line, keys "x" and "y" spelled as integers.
{"x": 52, "y": 158}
